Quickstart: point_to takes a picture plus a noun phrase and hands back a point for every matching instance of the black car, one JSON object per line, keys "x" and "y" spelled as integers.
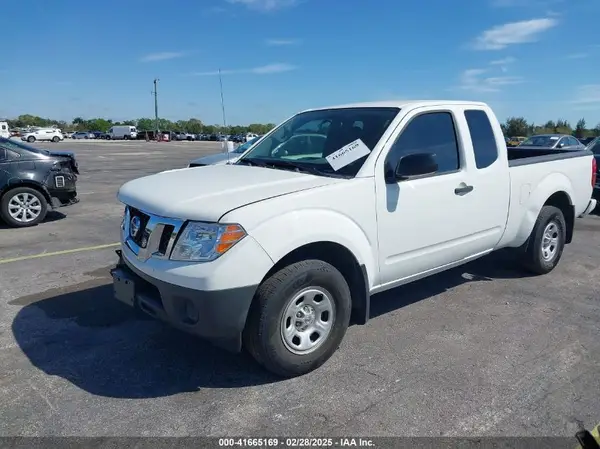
{"x": 33, "y": 180}
{"x": 594, "y": 147}
{"x": 101, "y": 135}
{"x": 586, "y": 140}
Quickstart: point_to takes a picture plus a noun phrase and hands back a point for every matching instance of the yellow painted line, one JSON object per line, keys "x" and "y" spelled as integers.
{"x": 59, "y": 253}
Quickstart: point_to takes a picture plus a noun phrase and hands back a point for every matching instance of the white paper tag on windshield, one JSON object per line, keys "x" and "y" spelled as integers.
{"x": 553, "y": 138}
{"x": 348, "y": 154}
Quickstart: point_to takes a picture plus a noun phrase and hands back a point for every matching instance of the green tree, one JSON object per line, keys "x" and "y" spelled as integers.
{"x": 516, "y": 127}
{"x": 580, "y": 129}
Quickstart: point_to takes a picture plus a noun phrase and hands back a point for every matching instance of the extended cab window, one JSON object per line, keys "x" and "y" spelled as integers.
{"x": 483, "y": 138}
{"x": 432, "y": 132}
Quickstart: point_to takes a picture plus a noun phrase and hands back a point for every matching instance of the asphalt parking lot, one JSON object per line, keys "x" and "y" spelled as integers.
{"x": 481, "y": 350}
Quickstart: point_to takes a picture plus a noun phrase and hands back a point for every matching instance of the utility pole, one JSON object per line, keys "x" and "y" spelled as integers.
{"x": 156, "y": 109}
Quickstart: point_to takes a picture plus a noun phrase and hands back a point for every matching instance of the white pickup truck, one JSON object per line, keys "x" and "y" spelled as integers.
{"x": 276, "y": 252}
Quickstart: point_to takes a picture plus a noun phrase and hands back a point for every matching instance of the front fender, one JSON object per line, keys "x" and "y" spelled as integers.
{"x": 533, "y": 203}
{"x": 282, "y": 234}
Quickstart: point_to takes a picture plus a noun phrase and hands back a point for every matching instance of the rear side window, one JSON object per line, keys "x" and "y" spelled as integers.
{"x": 483, "y": 138}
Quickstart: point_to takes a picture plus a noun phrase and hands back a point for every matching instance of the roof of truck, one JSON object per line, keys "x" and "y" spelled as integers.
{"x": 401, "y": 104}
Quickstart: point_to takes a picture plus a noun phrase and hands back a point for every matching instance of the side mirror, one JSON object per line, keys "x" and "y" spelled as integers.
{"x": 561, "y": 145}
{"x": 415, "y": 165}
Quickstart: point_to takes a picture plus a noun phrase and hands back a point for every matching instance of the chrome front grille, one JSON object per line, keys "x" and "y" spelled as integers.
{"x": 149, "y": 235}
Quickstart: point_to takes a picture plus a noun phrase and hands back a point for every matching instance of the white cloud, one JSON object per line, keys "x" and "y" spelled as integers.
{"x": 163, "y": 56}
{"x": 524, "y": 3}
{"x": 577, "y": 56}
{"x": 268, "y": 69}
{"x": 504, "y": 61}
{"x": 280, "y": 42}
{"x": 588, "y": 95}
{"x": 273, "y": 68}
{"x": 473, "y": 80}
{"x": 502, "y": 36}
{"x": 264, "y": 5}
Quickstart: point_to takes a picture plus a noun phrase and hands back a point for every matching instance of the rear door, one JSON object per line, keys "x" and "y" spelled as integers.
{"x": 489, "y": 173}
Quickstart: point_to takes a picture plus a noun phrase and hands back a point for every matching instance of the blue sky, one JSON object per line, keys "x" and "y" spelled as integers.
{"x": 537, "y": 58}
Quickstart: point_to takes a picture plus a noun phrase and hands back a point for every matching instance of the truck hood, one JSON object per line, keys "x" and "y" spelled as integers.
{"x": 207, "y": 193}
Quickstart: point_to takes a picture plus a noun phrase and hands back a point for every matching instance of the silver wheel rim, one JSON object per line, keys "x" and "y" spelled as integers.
{"x": 24, "y": 207}
{"x": 550, "y": 241}
{"x": 307, "y": 320}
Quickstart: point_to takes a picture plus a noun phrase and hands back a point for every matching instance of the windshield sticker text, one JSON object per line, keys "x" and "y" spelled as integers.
{"x": 348, "y": 154}
{"x": 553, "y": 138}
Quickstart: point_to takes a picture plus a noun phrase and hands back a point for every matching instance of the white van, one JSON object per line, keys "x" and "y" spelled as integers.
{"x": 123, "y": 132}
{"x": 4, "y": 130}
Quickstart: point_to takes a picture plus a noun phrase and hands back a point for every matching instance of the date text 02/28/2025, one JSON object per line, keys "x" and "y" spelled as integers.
{"x": 294, "y": 442}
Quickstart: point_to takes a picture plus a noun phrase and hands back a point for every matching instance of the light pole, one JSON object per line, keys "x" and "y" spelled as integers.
{"x": 156, "y": 108}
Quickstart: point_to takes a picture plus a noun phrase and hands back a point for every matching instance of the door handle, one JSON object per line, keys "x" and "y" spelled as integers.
{"x": 463, "y": 189}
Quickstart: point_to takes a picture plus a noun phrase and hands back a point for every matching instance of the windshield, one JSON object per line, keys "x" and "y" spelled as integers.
{"x": 308, "y": 141}
{"x": 541, "y": 141}
{"x": 13, "y": 144}
{"x": 242, "y": 148}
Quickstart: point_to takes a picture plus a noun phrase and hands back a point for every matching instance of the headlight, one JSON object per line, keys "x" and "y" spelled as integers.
{"x": 203, "y": 242}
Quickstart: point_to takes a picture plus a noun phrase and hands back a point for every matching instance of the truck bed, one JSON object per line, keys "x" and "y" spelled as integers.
{"x": 527, "y": 156}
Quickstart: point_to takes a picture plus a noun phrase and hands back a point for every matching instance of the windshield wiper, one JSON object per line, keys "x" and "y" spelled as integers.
{"x": 281, "y": 163}
{"x": 251, "y": 161}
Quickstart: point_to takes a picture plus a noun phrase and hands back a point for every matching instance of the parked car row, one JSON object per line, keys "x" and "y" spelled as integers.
{"x": 548, "y": 141}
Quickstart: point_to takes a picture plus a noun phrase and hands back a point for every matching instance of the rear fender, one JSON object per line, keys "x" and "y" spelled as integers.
{"x": 551, "y": 184}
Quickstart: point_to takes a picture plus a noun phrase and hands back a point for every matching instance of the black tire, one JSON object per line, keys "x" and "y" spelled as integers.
{"x": 4, "y": 206}
{"x": 31, "y": 139}
{"x": 535, "y": 260}
{"x": 56, "y": 139}
{"x": 262, "y": 334}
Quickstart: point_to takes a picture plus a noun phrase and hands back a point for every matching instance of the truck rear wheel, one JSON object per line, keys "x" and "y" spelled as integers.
{"x": 299, "y": 317}
{"x": 547, "y": 241}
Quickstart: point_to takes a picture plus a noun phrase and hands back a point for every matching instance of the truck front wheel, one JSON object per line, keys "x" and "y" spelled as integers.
{"x": 299, "y": 317}
{"x": 547, "y": 241}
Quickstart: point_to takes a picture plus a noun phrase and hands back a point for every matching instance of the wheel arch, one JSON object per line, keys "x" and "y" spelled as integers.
{"x": 345, "y": 262}
{"x": 27, "y": 183}
{"x": 562, "y": 201}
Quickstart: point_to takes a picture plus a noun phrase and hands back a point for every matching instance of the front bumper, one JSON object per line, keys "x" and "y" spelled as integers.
{"x": 218, "y": 316}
